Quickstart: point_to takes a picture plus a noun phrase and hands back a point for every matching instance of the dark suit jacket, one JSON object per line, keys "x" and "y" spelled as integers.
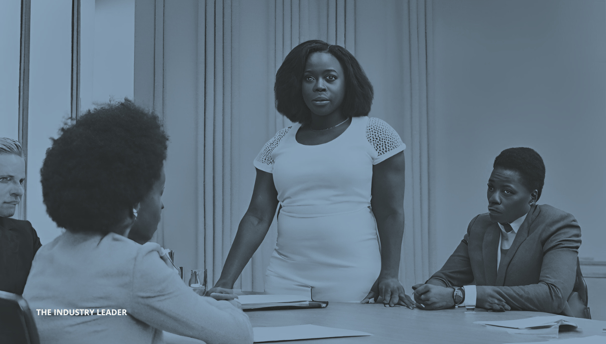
{"x": 538, "y": 272}
{"x": 18, "y": 246}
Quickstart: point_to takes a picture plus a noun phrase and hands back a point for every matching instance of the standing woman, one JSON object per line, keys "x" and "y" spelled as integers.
{"x": 337, "y": 176}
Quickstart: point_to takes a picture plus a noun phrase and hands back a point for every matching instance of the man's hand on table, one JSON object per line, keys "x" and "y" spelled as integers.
{"x": 429, "y": 296}
{"x": 390, "y": 292}
{"x": 495, "y": 304}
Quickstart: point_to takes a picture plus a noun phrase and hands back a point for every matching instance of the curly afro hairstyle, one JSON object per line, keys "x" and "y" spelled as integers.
{"x": 527, "y": 162}
{"x": 102, "y": 166}
{"x": 289, "y": 80}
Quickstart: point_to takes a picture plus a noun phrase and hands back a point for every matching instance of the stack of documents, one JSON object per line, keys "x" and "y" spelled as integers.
{"x": 254, "y": 302}
{"x": 563, "y": 323}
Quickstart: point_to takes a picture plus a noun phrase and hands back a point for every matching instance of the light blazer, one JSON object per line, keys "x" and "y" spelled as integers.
{"x": 536, "y": 274}
{"x": 100, "y": 272}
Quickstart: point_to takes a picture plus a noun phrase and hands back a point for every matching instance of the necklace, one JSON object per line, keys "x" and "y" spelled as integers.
{"x": 334, "y": 126}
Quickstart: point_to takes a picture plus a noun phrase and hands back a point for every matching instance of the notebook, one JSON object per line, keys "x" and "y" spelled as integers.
{"x": 268, "y": 302}
{"x": 563, "y": 322}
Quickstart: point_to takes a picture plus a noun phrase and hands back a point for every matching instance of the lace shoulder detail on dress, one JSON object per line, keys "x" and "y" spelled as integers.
{"x": 264, "y": 156}
{"x": 382, "y": 136}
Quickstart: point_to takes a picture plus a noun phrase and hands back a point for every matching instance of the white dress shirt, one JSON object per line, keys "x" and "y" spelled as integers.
{"x": 505, "y": 241}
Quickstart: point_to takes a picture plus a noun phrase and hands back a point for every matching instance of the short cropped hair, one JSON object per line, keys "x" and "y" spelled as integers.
{"x": 10, "y": 146}
{"x": 289, "y": 79}
{"x": 99, "y": 168}
{"x": 527, "y": 162}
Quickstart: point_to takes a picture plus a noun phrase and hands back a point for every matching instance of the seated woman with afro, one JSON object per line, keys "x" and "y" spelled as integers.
{"x": 520, "y": 255}
{"x": 101, "y": 178}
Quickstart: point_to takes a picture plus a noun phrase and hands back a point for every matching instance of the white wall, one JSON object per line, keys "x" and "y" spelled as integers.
{"x": 107, "y": 51}
{"x": 107, "y": 72}
{"x": 181, "y": 96}
{"x": 49, "y": 98}
{"x": 520, "y": 73}
{"x": 10, "y": 13}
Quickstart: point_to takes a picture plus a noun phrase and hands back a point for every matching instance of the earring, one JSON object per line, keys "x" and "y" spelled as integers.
{"x": 135, "y": 213}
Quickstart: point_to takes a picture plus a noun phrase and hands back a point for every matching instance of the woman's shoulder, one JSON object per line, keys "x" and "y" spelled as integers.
{"x": 280, "y": 134}
{"x": 382, "y": 137}
{"x": 150, "y": 248}
{"x": 264, "y": 160}
{"x": 376, "y": 127}
{"x": 117, "y": 246}
{"x": 130, "y": 249}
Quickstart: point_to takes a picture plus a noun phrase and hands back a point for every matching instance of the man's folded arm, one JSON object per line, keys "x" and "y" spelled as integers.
{"x": 457, "y": 269}
{"x": 556, "y": 281}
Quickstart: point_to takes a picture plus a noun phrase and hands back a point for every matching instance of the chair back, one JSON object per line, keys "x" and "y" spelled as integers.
{"x": 17, "y": 325}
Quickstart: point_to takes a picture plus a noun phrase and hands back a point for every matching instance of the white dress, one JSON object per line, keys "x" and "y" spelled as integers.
{"x": 327, "y": 233}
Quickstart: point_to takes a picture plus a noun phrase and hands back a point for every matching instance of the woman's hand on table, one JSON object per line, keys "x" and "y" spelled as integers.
{"x": 429, "y": 296}
{"x": 222, "y": 294}
{"x": 390, "y": 292}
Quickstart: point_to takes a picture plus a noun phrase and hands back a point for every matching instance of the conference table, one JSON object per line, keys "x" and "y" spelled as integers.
{"x": 402, "y": 325}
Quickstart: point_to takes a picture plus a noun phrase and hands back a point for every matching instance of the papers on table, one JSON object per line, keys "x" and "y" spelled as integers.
{"x": 563, "y": 322}
{"x": 300, "y": 332}
{"x": 584, "y": 340}
{"x": 250, "y": 302}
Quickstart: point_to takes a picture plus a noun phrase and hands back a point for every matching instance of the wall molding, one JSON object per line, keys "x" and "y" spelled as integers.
{"x": 23, "y": 126}
{"x": 75, "y": 70}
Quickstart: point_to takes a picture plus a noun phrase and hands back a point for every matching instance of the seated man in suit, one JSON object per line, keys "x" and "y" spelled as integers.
{"x": 18, "y": 239}
{"x": 519, "y": 255}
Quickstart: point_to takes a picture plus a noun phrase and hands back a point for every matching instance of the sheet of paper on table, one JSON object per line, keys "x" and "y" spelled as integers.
{"x": 300, "y": 332}
{"x": 563, "y": 322}
{"x": 584, "y": 340}
{"x": 250, "y": 302}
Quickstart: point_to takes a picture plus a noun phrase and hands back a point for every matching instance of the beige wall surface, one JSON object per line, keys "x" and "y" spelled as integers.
{"x": 519, "y": 73}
